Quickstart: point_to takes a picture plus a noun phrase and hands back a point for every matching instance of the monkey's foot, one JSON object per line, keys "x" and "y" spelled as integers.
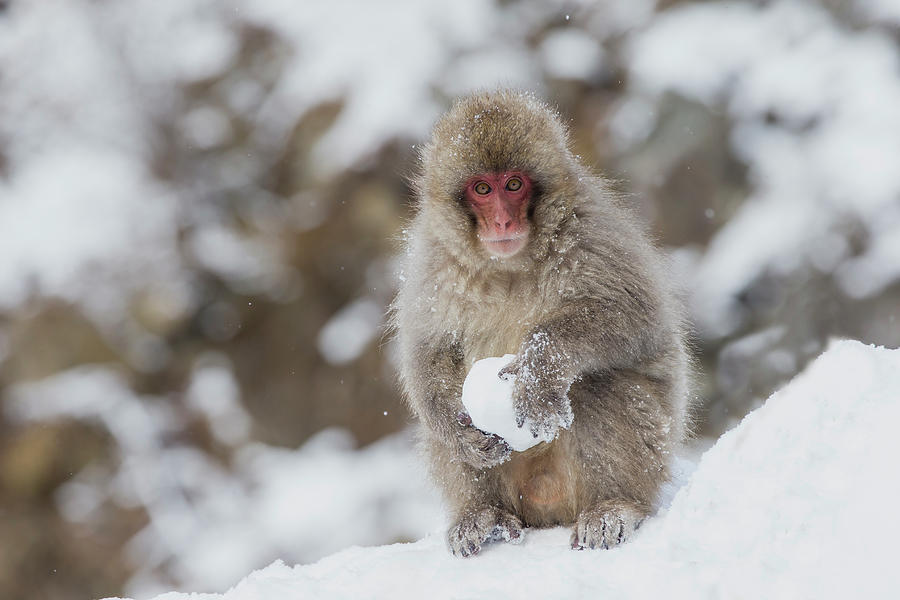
{"x": 607, "y": 525}
{"x": 479, "y": 526}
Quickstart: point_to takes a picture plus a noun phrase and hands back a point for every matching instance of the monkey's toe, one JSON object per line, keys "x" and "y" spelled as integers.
{"x": 508, "y": 529}
{"x": 464, "y": 539}
{"x": 606, "y": 526}
{"x": 480, "y": 526}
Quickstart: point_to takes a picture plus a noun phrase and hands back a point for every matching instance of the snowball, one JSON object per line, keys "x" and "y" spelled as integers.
{"x": 488, "y": 400}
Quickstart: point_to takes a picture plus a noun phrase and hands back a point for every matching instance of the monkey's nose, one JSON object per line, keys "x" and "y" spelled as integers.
{"x": 502, "y": 224}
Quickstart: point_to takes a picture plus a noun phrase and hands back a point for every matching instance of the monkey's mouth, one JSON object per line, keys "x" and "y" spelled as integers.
{"x": 506, "y": 246}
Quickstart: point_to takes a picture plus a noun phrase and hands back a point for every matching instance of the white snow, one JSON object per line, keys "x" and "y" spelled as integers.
{"x": 60, "y": 227}
{"x": 795, "y": 502}
{"x": 879, "y": 10}
{"x": 347, "y": 334}
{"x": 83, "y": 216}
{"x": 816, "y": 113}
{"x": 488, "y": 400}
{"x": 249, "y": 265}
{"x": 78, "y": 121}
{"x": 373, "y": 56}
{"x": 210, "y": 525}
{"x": 214, "y": 392}
{"x": 571, "y": 54}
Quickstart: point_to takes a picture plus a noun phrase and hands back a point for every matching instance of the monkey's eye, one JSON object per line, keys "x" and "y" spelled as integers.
{"x": 514, "y": 184}
{"x": 482, "y": 188}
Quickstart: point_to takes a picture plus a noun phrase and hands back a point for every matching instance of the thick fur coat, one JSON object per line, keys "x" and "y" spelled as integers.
{"x": 587, "y": 307}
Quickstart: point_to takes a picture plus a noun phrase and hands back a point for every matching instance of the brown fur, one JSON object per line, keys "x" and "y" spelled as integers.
{"x": 587, "y": 308}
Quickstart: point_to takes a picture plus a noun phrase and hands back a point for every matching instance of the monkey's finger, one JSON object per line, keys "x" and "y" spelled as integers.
{"x": 588, "y": 533}
{"x": 563, "y": 409}
{"x": 617, "y": 531}
{"x": 601, "y": 538}
{"x": 510, "y": 370}
{"x": 499, "y": 453}
{"x": 463, "y": 418}
{"x": 492, "y": 441}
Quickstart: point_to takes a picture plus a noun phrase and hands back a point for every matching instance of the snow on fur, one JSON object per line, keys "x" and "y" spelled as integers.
{"x": 795, "y": 502}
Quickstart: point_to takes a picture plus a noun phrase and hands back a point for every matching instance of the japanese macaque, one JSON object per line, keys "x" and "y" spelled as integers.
{"x": 517, "y": 248}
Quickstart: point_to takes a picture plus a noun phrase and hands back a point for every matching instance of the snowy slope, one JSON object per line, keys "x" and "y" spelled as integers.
{"x": 795, "y": 502}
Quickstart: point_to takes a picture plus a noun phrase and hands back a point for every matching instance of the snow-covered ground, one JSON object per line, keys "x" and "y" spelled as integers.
{"x": 795, "y": 502}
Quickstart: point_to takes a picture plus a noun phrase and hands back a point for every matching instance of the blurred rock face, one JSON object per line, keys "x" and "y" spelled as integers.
{"x": 212, "y": 192}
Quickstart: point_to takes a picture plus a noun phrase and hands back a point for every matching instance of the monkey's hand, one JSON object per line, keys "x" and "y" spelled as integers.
{"x": 477, "y": 448}
{"x": 540, "y": 393}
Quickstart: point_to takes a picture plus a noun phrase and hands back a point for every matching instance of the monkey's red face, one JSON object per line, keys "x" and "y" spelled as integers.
{"x": 500, "y": 203}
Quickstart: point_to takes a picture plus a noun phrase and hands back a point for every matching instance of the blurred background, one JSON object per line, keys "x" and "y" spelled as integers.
{"x": 200, "y": 206}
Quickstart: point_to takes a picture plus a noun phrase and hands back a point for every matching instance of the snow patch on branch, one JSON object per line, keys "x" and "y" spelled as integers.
{"x": 816, "y": 113}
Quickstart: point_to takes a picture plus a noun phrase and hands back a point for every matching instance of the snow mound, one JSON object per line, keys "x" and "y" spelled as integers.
{"x": 792, "y": 503}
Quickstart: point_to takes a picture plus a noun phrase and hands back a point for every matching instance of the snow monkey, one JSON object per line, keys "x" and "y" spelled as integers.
{"x": 517, "y": 248}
